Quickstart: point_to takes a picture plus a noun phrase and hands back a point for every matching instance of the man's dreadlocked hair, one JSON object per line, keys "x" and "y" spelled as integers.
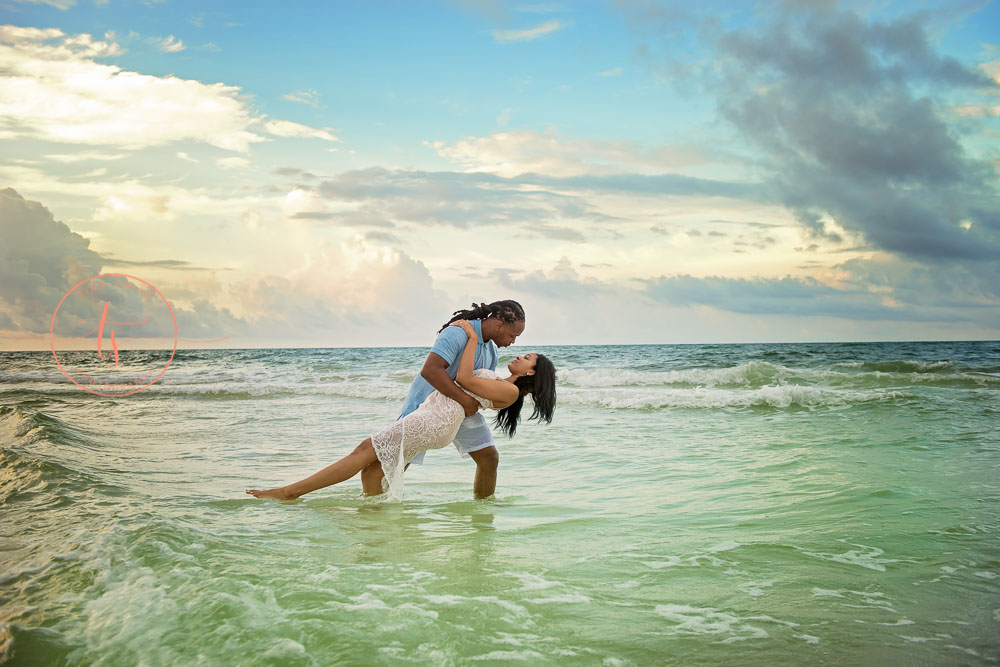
{"x": 506, "y": 311}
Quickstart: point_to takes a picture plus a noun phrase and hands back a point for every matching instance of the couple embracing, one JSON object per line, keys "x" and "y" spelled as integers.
{"x": 442, "y": 406}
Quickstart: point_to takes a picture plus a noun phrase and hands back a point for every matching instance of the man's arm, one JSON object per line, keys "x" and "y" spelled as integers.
{"x": 502, "y": 393}
{"x": 435, "y": 371}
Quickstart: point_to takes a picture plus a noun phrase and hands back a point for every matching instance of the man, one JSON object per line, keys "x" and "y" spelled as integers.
{"x": 497, "y": 324}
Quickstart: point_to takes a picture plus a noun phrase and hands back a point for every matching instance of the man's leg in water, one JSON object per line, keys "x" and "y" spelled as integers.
{"x": 487, "y": 461}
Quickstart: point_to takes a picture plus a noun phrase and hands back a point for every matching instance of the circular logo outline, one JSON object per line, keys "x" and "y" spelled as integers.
{"x": 52, "y": 339}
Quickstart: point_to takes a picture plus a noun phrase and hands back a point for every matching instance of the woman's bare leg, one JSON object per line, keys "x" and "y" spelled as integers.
{"x": 371, "y": 478}
{"x": 345, "y": 468}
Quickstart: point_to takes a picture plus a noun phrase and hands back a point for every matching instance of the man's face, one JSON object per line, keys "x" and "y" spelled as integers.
{"x": 508, "y": 333}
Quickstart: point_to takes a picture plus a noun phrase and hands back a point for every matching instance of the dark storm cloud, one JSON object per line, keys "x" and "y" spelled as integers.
{"x": 886, "y": 290}
{"x": 781, "y": 296}
{"x": 846, "y": 114}
{"x": 867, "y": 289}
{"x": 40, "y": 260}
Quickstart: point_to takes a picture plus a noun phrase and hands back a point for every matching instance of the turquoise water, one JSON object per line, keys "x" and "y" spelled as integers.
{"x": 716, "y": 504}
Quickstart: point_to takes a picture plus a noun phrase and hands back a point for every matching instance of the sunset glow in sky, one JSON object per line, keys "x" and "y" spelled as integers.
{"x": 343, "y": 174}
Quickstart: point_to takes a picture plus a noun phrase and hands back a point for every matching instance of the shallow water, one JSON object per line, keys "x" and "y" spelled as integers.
{"x": 715, "y": 504}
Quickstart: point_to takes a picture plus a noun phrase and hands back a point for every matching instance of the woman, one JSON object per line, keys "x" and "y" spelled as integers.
{"x": 435, "y": 422}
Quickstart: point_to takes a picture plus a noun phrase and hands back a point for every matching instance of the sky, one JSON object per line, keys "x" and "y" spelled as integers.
{"x": 349, "y": 174}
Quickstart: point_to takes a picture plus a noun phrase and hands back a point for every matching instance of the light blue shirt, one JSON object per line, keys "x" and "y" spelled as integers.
{"x": 449, "y": 346}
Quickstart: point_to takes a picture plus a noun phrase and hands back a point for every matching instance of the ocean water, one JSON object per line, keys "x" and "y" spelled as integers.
{"x": 691, "y": 504}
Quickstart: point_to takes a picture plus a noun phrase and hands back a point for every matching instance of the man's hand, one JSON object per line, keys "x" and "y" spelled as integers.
{"x": 436, "y": 374}
{"x": 471, "y": 405}
{"x": 466, "y": 326}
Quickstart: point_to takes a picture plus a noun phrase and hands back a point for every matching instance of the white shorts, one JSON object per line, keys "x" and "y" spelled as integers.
{"x": 473, "y": 434}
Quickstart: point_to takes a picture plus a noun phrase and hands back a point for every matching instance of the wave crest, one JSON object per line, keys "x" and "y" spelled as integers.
{"x": 775, "y": 396}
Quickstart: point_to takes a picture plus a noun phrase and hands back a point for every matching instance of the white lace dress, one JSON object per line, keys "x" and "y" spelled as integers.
{"x": 431, "y": 426}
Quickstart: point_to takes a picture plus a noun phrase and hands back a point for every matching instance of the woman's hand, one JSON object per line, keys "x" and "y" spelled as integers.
{"x": 467, "y": 327}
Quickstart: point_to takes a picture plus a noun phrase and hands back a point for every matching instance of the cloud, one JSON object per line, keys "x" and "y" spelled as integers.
{"x": 169, "y": 44}
{"x": 847, "y": 115}
{"x": 286, "y": 128}
{"x": 131, "y": 200}
{"x": 294, "y": 172}
{"x": 40, "y": 260}
{"x": 82, "y": 156}
{"x": 52, "y": 88}
{"x": 876, "y": 291}
{"x": 882, "y": 288}
{"x": 381, "y": 237}
{"x": 988, "y": 106}
{"x": 452, "y": 200}
{"x": 347, "y": 293}
{"x": 310, "y": 97}
{"x": 558, "y": 233}
{"x": 658, "y": 184}
{"x": 785, "y": 296}
{"x": 58, "y": 4}
{"x": 515, "y": 152}
{"x": 232, "y": 162}
{"x": 527, "y": 34}
{"x": 572, "y": 209}
{"x": 173, "y": 264}
{"x": 303, "y": 203}
{"x": 611, "y": 72}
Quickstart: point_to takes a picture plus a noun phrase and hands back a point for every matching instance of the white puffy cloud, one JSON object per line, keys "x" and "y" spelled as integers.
{"x": 52, "y": 88}
{"x": 130, "y": 200}
{"x": 170, "y": 44}
{"x": 302, "y": 203}
{"x": 353, "y": 292}
{"x": 286, "y": 128}
{"x": 340, "y": 294}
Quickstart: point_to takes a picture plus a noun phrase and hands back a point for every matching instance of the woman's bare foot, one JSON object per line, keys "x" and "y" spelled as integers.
{"x": 281, "y": 493}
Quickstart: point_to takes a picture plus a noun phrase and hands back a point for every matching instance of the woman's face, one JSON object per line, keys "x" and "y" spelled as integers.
{"x": 524, "y": 364}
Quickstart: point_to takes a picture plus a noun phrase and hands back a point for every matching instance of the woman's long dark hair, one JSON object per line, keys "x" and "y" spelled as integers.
{"x": 506, "y": 311}
{"x": 542, "y": 387}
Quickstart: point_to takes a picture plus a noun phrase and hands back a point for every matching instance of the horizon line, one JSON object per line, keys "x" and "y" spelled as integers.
{"x": 391, "y": 347}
